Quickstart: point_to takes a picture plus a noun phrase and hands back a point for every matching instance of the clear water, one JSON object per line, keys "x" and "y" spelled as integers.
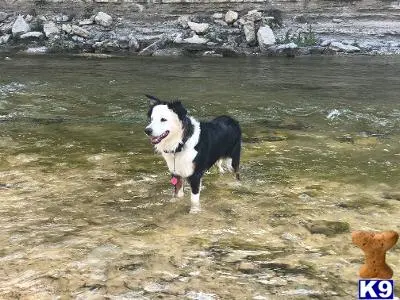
{"x": 86, "y": 207}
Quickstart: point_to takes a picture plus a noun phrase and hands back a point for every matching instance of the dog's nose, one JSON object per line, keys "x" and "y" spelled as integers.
{"x": 148, "y": 131}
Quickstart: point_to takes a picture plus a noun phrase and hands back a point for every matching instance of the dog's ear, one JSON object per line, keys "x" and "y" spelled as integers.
{"x": 153, "y": 100}
{"x": 178, "y": 108}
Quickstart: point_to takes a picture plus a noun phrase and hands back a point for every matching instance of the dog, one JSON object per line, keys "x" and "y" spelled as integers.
{"x": 190, "y": 147}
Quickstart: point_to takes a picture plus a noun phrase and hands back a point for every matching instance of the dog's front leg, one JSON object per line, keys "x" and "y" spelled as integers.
{"x": 195, "y": 181}
{"x": 179, "y": 188}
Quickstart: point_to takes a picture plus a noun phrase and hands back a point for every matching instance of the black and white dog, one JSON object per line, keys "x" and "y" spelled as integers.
{"x": 191, "y": 147}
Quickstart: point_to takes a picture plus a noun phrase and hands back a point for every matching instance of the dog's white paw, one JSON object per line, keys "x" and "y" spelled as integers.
{"x": 180, "y": 194}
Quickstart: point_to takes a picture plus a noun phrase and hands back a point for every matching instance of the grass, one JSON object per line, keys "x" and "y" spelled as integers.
{"x": 301, "y": 38}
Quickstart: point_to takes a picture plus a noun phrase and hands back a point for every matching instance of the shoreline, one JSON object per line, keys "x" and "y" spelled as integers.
{"x": 248, "y": 29}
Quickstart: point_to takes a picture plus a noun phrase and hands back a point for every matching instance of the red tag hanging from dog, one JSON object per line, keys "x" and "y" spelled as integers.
{"x": 174, "y": 180}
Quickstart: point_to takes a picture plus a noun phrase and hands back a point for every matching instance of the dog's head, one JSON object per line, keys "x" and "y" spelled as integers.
{"x": 165, "y": 129}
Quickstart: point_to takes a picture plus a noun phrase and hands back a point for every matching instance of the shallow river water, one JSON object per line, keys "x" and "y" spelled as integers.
{"x": 86, "y": 208}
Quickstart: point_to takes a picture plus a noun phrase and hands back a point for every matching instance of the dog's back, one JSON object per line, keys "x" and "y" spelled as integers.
{"x": 219, "y": 139}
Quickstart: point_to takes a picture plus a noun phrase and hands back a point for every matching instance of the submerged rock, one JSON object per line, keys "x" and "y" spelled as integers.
{"x": 328, "y": 228}
{"x": 37, "y": 50}
{"x": 392, "y": 195}
{"x": 248, "y": 267}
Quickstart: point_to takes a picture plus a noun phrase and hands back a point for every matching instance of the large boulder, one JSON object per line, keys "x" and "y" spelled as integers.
{"x": 103, "y": 19}
{"x": 231, "y": 16}
{"x": 199, "y": 28}
{"x": 20, "y": 26}
{"x": 50, "y": 29}
{"x": 265, "y": 37}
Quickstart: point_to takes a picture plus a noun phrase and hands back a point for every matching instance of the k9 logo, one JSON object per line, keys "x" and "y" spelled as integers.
{"x": 375, "y": 289}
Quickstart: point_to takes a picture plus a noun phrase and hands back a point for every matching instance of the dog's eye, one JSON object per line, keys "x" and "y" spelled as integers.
{"x": 163, "y": 120}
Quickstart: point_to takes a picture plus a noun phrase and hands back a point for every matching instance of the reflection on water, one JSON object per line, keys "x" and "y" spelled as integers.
{"x": 86, "y": 208}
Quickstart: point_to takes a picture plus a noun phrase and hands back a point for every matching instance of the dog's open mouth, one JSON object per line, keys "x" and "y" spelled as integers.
{"x": 156, "y": 139}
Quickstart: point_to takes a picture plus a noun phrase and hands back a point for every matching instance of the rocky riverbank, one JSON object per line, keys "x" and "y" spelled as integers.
{"x": 216, "y": 30}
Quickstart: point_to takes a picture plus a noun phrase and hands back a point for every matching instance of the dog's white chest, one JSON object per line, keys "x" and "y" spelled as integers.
{"x": 181, "y": 163}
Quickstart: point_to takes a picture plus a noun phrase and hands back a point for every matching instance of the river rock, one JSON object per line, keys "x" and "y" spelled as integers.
{"x": 218, "y": 16}
{"x": 265, "y": 37}
{"x": 195, "y": 39}
{"x": 153, "y": 287}
{"x": 200, "y": 296}
{"x": 220, "y": 22}
{"x": 133, "y": 43}
{"x": 250, "y": 32}
{"x": 84, "y": 22}
{"x": 20, "y": 26}
{"x": 168, "y": 52}
{"x": 67, "y": 28}
{"x": 103, "y": 19}
{"x": 340, "y": 47}
{"x": 392, "y": 195}
{"x": 149, "y": 50}
{"x": 37, "y": 50}
{"x": 3, "y": 16}
{"x": 79, "y": 31}
{"x": 50, "y": 29}
{"x": 199, "y": 28}
{"x": 276, "y": 281}
{"x": 5, "y": 38}
{"x": 231, "y": 16}
{"x": 328, "y": 228}
{"x": 32, "y": 35}
{"x": 253, "y": 15}
{"x": 61, "y": 18}
{"x": 28, "y": 18}
{"x": 247, "y": 267}
{"x": 290, "y": 49}
{"x": 183, "y": 21}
